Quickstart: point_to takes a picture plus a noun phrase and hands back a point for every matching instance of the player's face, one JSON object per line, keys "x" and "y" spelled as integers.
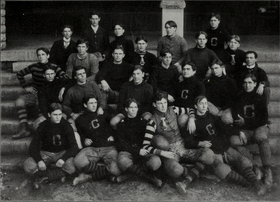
{"x": 201, "y": 107}
{"x": 167, "y": 59}
{"x": 55, "y": 116}
{"x": 250, "y": 59}
{"x": 82, "y": 48}
{"x": 249, "y": 85}
{"x": 201, "y": 41}
{"x": 233, "y": 44}
{"x": 67, "y": 32}
{"x": 91, "y": 105}
{"x": 170, "y": 31}
{"x": 161, "y": 105}
{"x": 214, "y": 22}
{"x": 81, "y": 76}
{"x": 142, "y": 45}
{"x": 138, "y": 76}
{"x": 43, "y": 57}
{"x": 118, "y": 55}
{"x": 118, "y": 31}
{"x": 49, "y": 75}
{"x": 188, "y": 71}
{"x": 132, "y": 110}
{"x": 94, "y": 20}
{"x": 217, "y": 70}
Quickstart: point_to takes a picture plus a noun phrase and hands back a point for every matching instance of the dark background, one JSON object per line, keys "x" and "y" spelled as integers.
{"x": 47, "y": 17}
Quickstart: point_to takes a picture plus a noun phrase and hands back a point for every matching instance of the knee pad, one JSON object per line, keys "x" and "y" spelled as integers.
{"x": 182, "y": 120}
{"x": 153, "y": 163}
{"x": 235, "y": 141}
{"x": 207, "y": 156}
{"x": 222, "y": 170}
{"x": 227, "y": 117}
{"x": 160, "y": 142}
{"x": 174, "y": 169}
{"x": 20, "y": 102}
{"x": 245, "y": 163}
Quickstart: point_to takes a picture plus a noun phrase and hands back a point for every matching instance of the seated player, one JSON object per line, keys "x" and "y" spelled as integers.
{"x": 250, "y": 114}
{"x": 133, "y": 159}
{"x": 98, "y": 141}
{"x": 220, "y": 92}
{"x": 212, "y": 133}
{"x": 163, "y": 138}
{"x": 30, "y": 97}
{"x": 52, "y": 149}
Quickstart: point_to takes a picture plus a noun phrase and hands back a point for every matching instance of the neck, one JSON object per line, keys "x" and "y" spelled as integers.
{"x": 164, "y": 65}
{"x": 81, "y": 83}
{"x": 200, "y": 47}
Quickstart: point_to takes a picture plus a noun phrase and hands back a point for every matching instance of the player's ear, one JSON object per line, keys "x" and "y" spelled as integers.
{"x": 85, "y": 105}
{"x": 49, "y": 114}
{"x": 154, "y": 104}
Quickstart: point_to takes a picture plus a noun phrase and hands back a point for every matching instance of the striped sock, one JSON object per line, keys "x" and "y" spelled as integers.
{"x": 136, "y": 170}
{"x": 55, "y": 173}
{"x": 195, "y": 171}
{"x": 265, "y": 152}
{"x": 90, "y": 168}
{"x": 22, "y": 115}
{"x": 250, "y": 176}
{"x": 236, "y": 178}
{"x": 100, "y": 173}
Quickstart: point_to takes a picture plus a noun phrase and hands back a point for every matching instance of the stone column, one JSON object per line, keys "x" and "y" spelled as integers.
{"x": 3, "y": 26}
{"x": 173, "y": 10}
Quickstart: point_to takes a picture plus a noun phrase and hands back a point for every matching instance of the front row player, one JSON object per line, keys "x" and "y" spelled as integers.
{"x": 52, "y": 149}
{"x": 212, "y": 133}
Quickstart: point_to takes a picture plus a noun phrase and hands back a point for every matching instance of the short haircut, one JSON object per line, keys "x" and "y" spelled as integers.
{"x": 120, "y": 24}
{"x": 54, "y": 106}
{"x": 190, "y": 64}
{"x": 217, "y": 62}
{"x": 139, "y": 38}
{"x": 94, "y": 13}
{"x": 235, "y": 37}
{"x": 216, "y": 15}
{"x": 49, "y": 66}
{"x": 67, "y": 26}
{"x": 47, "y": 51}
{"x": 252, "y": 52}
{"x": 199, "y": 33}
{"x": 199, "y": 98}
{"x": 252, "y": 76}
{"x": 171, "y": 23}
{"x": 129, "y": 101}
{"x": 77, "y": 68}
{"x": 164, "y": 51}
{"x": 136, "y": 67}
{"x": 159, "y": 95}
{"x": 118, "y": 47}
{"x": 88, "y": 97}
{"x": 81, "y": 41}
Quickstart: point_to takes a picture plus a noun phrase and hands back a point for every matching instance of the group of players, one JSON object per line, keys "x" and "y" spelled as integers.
{"x": 109, "y": 111}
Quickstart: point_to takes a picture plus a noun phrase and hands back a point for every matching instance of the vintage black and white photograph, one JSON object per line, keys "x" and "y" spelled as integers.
{"x": 163, "y": 100}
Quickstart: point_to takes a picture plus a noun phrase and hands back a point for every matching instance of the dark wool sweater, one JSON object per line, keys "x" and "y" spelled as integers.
{"x": 221, "y": 91}
{"x": 115, "y": 74}
{"x": 202, "y": 58}
{"x": 252, "y": 107}
{"x": 210, "y": 128}
{"x": 232, "y": 69}
{"x": 130, "y": 135}
{"x": 99, "y": 41}
{"x": 54, "y": 138}
{"x": 187, "y": 90}
{"x": 164, "y": 79}
{"x": 59, "y": 54}
{"x": 143, "y": 93}
{"x": 127, "y": 45}
{"x": 37, "y": 71}
{"x": 95, "y": 127}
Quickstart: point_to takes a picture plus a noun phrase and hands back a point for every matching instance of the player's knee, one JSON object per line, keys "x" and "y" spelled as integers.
{"x": 222, "y": 170}
{"x": 124, "y": 161}
{"x": 20, "y": 103}
{"x": 69, "y": 166}
{"x": 227, "y": 117}
{"x": 160, "y": 142}
{"x": 147, "y": 116}
{"x": 245, "y": 163}
{"x": 153, "y": 163}
{"x": 207, "y": 156}
{"x": 235, "y": 141}
{"x": 182, "y": 120}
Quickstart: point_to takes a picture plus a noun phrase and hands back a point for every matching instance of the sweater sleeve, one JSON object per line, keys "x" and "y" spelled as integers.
{"x": 22, "y": 73}
{"x": 94, "y": 67}
{"x": 101, "y": 98}
{"x": 42, "y": 100}
{"x": 188, "y": 138}
{"x": 70, "y": 66}
{"x": 66, "y": 103}
{"x": 35, "y": 145}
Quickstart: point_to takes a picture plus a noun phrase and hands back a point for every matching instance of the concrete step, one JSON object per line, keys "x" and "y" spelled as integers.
{"x": 11, "y": 93}
{"x": 8, "y": 110}
{"x": 17, "y": 66}
{"x": 10, "y": 79}
{"x": 274, "y": 109}
{"x": 274, "y": 80}
{"x": 11, "y": 146}
{"x": 13, "y": 162}
{"x": 275, "y": 94}
{"x": 274, "y": 142}
{"x": 11, "y": 127}
{"x": 270, "y": 67}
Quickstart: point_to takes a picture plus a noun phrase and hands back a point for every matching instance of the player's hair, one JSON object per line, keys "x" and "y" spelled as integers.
{"x": 94, "y": 13}
{"x": 120, "y": 24}
{"x": 136, "y": 67}
{"x": 252, "y": 76}
{"x": 216, "y": 15}
{"x": 252, "y": 52}
{"x": 81, "y": 41}
{"x": 54, "y": 106}
{"x": 66, "y": 26}
{"x": 171, "y": 23}
{"x": 199, "y": 33}
{"x": 88, "y": 97}
{"x": 199, "y": 98}
{"x": 194, "y": 68}
{"x": 47, "y": 51}
{"x": 217, "y": 62}
{"x": 139, "y": 38}
{"x": 77, "y": 68}
{"x": 235, "y": 37}
{"x": 164, "y": 51}
{"x": 119, "y": 47}
{"x": 129, "y": 101}
{"x": 159, "y": 95}
{"x": 49, "y": 66}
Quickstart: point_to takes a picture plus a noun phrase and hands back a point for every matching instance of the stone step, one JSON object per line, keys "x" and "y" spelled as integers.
{"x": 10, "y": 79}
{"x": 274, "y": 80}
{"x": 8, "y": 110}
{"x": 270, "y": 67}
{"x": 13, "y": 162}
{"x": 11, "y": 93}
{"x": 11, "y": 126}
{"x": 17, "y": 66}
{"x": 11, "y": 146}
{"x": 274, "y": 142}
{"x": 275, "y": 94}
{"x": 274, "y": 109}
